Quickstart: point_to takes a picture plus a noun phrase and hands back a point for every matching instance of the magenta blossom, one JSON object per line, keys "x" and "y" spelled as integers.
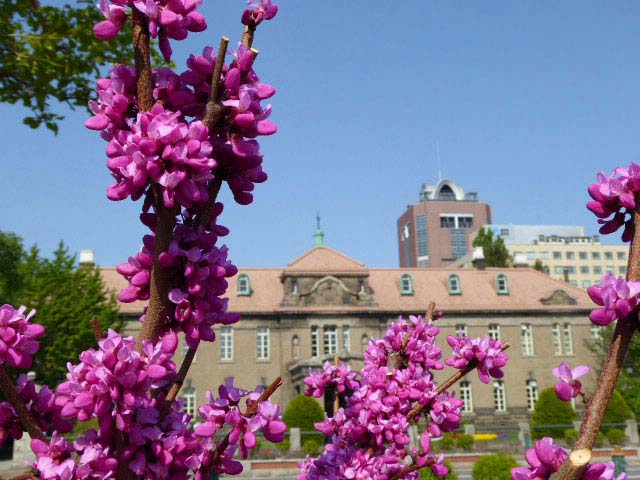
{"x": 618, "y": 296}
{"x": 18, "y": 336}
{"x": 486, "y": 351}
{"x": 569, "y": 386}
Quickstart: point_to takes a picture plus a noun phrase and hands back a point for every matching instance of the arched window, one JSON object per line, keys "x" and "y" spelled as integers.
{"x": 532, "y": 394}
{"x": 466, "y": 396}
{"x": 446, "y": 193}
{"x": 364, "y": 343}
{"x": 295, "y": 347}
{"x": 502, "y": 284}
{"x": 499, "y": 397}
{"x": 406, "y": 284}
{"x": 454, "y": 285}
{"x": 244, "y": 285}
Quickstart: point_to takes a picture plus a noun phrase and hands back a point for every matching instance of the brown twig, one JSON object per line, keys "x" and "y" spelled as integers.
{"x": 25, "y": 476}
{"x": 251, "y": 411}
{"x": 214, "y": 108}
{"x": 97, "y": 329}
{"x": 247, "y": 36}
{"x": 625, "y": 328}
{"x": 179, "y": 380}
{"x": 27, "y": 421}
{"x": 460, "y": 374}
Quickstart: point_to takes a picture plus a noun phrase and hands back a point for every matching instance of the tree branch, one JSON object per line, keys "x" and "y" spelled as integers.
{"x": 214, "y": 108}
{"x": 27, "y": 421}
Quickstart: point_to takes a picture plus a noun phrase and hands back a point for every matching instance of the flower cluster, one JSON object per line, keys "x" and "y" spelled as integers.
{"x": 265, "y": 10}
{"x": 546, "y": 459}
{"x": 166, "y": 19}
{"x": 487, "y": 352}
{"x": 342, "y": 378}
{"x": 370, "y": 436}
{"x": 614, "y": 199}
{"x": 569, "y": 386}
{"x": 18, "y": 336}
{"x": 618, "y": 296}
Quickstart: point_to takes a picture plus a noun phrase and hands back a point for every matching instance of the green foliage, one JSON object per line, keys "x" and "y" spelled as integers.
{"x": 494, "y": 467}
{"x": 311, "y": 447}
{"x": 616, "y": 436}
{"x": 49, "y": 53}
{"x": 303, "y": 412}
{"x": 599, "y": 440}
{"x": 465, "y": 441}
{"x": 66, "y": 297}
{"x": 570, "y": 436}
{"x": 617, "y": 411}
{"x": 550, "y": 410}
{"x": 540, "y": 267}
{"x": 427, "y": 474}
{"x": 11, "y": 253}
{"x": 447, "y": 442}
{"x": 284, "y": 445}
{"x": 495, "y": 252}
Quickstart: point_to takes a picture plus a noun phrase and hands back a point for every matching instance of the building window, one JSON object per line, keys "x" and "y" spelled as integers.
{"x": 244, "y": 285}
{"x": 361, "y": 289}
{"x": 447, "y": 222}
{"x": 458, "y": 243}
{"x": 454, "y": 285}
{"x": 294, "y": 287}
{"x": 346, "y": 338}
{"x": 295, "y": 347}
{"x": 621, "y": 255}
{"x": 226, "y": 343}
{"x": 189, "y": 402}
{"x": 494, "y": 331}
{"x": 557, "y": 255}
{"x": 559, "y": 270}
{"x": 461, "y": 330}
{"x": 610, "y": 269}
{"x": 544, "y": 255}
{"x": 571, "y": 255}
{"x": 406, "y": 284}
{"x": 584, "y": 269}
{"x": 622, "y": 269}
{"x": 314, "y": 341}
{"x": 330, "y": 340}
{"x": 574, "y": 283}
{"x": 263, "y": 343}
{"x": 364, "y": 343}
{"x": 532, "y": 394}
{"x": 567, "y": 343}
{"x": 597, "y": 269}
{"x": 406, "y": 230}
{"x": 466, "y": 396}
{"x": 582, "y": 255}
{"x": 526, "y": 338}
{"x": 596, "y": 332}
{"x": 465, "y": 222}
{"x": 502, "y": 284}
{"x": 499, "y": 398}
{"x": 504, "y": 232}
{"x": 586, "y": 283}
{"x": 531, "y": 255}
{"x": 555, "y": 336}
{"x": 421, "y": 231}
{"x": 595, "y": 255}
{"x": 608, "y": 255}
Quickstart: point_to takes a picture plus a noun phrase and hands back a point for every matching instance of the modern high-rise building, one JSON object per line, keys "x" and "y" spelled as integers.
{"x": 437, "y": 230}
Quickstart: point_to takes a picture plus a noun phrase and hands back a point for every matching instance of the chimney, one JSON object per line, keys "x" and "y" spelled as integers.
{"x": 87, "y": 257}
{"x": 477, "y": 258}
{"x": 565, "y": 272}
{"x": 520, "y": 260}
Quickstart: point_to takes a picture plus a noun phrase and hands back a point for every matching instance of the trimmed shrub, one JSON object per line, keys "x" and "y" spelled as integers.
{"x": 494, "y": 467}
{"x": 617, "y": 412}
{"x": 616, "y": 436}
{"x": 284, "y": 445}
{"x": 465, "y": 442}
{"x": 427, "y": 474}
{"x": 550, "y": 410}
{"x": 311, "y": 447}
{"x": 447, "y": 442}
{"x": 570, "y": 436}
{"x": 303, "y": 412}
{"x": 599, "y": 440}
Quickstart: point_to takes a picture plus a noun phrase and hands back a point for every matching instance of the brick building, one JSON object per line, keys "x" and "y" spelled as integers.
{"x": 325, "y": 303}
{"x": 437, "y": 230}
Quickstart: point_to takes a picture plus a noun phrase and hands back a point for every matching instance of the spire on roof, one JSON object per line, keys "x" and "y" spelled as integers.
{"x": 319, "y": 235}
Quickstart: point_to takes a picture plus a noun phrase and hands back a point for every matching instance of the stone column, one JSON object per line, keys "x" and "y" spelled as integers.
{"x": 470, "y": 429}
{"x": 631, "y": 431}
{"x": 294, "y": 439}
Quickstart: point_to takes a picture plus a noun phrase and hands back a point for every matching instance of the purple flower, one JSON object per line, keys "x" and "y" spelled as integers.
{"x": 18, "y": 336}
{"x": 569, "y": 386}
{"x": 618, "y": 296}
{"x": 486, "y": 351}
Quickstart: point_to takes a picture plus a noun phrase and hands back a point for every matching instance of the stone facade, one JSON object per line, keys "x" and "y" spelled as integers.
{"x": 324, "y": 303}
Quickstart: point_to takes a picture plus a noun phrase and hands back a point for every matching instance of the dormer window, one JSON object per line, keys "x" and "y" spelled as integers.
{"x": 502, "y": 284}
{"x": 406, "y": 284}
{"x": 454, "y": 285}
{"x": 244, "y": 285}
{"x": 294, "y": 287}
{"x": 361, "y": 289}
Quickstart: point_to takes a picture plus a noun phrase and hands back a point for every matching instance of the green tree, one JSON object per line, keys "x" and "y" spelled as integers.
{"x": 617, "y": 411}
{"x": 66, "y": 297}
{"x": 494, "y": 467}
{"x": 11, "y": 254}
{"x": 495, "y": 252}
{"x": 550, "y": 410}
{"x": 303, "y": 412}
{"x": 540, "y": 267}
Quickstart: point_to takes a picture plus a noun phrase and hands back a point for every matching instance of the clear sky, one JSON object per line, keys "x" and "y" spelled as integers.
{"x": 527, "y": 100}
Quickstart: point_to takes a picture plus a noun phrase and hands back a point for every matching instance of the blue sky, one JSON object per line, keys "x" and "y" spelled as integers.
{"x": 527, "y": 100}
